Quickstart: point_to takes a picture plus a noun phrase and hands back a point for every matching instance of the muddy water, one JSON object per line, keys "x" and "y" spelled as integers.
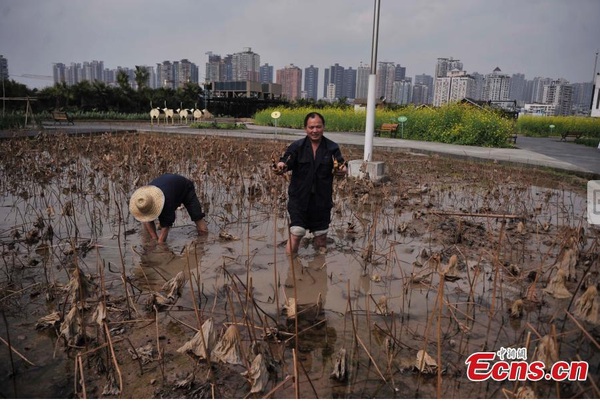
{"x": 379, "y": 285}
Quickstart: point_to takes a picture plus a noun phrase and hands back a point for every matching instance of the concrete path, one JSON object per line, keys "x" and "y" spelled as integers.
{"x": 545, "y": 152}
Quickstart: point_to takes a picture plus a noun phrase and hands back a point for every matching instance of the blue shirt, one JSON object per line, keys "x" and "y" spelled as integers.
{"x": 176, "y": 188}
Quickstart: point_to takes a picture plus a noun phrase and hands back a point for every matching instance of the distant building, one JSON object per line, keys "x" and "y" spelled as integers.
{"x": 558, "y": 93}
{"x": 266, "y": 74}
{"x": 454, "y": 87}
{"x": 386, "y": 74}
{"x": 538, "y": 109}
{"x": 245, "y": 66}
{"x": 445, "y": 65}
{"x": 496, "y": 86}
{"x": 290, "y": 79}
{"x": 349, "y": 83}
{"x": 402, "y": 92}
{"x": 517, "y": 88}
{"x": 479, "y": 80}
{"x": 423, "y": 89}
{"x": 362, "y": 81}
{"x": 334, "y": 75}
{"x": 311, "y": 82}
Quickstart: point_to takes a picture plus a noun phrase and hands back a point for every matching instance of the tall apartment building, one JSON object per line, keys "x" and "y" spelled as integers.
{"x": 559, "y": 93}
{"x": 423, "y": 89}
{"x": 59, "y": 73}
{"x": 537, "y": 90}
{"x": 445, "y": 65}
{"x": 400, "y": 74}
{"x": 402, "y": 91}
{"x": 386, "y": 74}
{"x": 349, "y": 88}
{"x": 164, "y": 75}
{"x": 479, "y": 80}
{"x": 362, "y": 81}
{"x": 3, "y": 67}
{"x": 496, "y": 86}
{"x": 582, "y": 95}
{"x": 311, "y": 82}
{"x": 517, "y": 88}
{"x": 266, "y": 74}
{"x": 215, "y": 68}
{"x": 92, "y": 71}
{"x": 290, "y": 79}
{"x": 454, "y": 87}
{"x": 245, "y": 66}
{"x": 334, "y": 75}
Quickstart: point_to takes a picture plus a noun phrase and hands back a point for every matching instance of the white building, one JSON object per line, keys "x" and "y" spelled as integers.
{"x": 496, "y": 86}
{"x": 454, "y": 87}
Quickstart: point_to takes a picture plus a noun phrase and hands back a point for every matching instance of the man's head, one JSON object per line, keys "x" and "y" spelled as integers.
{"x": 146, "y": 203}
{"x": 314, "y": 125}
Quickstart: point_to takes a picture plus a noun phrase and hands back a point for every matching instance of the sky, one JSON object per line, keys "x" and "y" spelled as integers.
{"x": 545, "y": 38}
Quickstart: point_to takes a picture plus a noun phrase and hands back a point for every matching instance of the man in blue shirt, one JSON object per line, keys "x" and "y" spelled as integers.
{"x": 313, "y": 162}
{"x": 160, "y": 199}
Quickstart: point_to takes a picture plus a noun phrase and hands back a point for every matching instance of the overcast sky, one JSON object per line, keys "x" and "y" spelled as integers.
{"x": 547, "y": 38}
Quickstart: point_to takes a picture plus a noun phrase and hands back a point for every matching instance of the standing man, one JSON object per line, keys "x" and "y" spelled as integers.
{"x": 313, "y": 162}
{"x": 160, "y": 199}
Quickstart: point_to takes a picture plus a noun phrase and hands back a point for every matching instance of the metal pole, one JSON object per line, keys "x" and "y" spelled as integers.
{"x": 370, "y": 122}
{"x": 593, "y": 85}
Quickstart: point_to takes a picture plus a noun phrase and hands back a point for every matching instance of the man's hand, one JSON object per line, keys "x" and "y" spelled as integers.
{"x": 279, "y": 168}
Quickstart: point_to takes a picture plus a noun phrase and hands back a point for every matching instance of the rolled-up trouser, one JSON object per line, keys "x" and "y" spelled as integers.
{"x": 315, "y": 220}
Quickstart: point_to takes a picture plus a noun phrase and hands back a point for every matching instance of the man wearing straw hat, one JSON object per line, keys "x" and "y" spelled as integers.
{"x": 160, "y": 199}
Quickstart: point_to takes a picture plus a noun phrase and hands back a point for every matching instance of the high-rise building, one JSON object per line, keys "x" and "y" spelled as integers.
{"x": 496, "y": 86}
{"x": 386, "y": 74}
{"x": 424, "y": 93}
{"x": 266, "y": 74}
{"x": 537, "y": 90}
{"x": 445, "y": 65}
{"x": 559, "y": 93}
{"x": 311, "y": 82}
{"x": 349, "y": 83}
{"x": 334, "y": 75}
{"x": 402, "y": 92}
{"x": 290, "y": 79}
{"x": 59, "y": 73}
{"x": 362, "y": 81}
{"x": 479, "y": 80}
{"x": 400, "y": 73}
{"x": 454, "y": 87}
{"x": 3, "y": 67}
{"x": 246, "y": 66}
{"x": 517, "y": 88}
{"x": 215, "y": 68}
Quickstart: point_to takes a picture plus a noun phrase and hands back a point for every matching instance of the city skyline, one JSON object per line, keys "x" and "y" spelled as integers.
{"x": 553, "y": 38}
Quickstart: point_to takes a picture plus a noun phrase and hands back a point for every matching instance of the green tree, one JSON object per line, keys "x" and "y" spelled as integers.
{"x": 123, "y": 81}
{"x": 142, "y": 76}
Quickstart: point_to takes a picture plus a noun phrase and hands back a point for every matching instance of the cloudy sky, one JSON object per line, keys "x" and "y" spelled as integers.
{"x": 548, "y": 38}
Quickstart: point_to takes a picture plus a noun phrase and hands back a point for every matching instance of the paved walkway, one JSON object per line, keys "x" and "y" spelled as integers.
{"x": 545, "y": 152}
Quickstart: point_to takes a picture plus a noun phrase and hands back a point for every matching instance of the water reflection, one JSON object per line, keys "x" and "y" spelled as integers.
{"x": 307, "y": 283}
{"x": 159, "y": 263}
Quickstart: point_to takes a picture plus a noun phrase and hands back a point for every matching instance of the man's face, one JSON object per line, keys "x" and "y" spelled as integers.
{"x": 314, "y": 129}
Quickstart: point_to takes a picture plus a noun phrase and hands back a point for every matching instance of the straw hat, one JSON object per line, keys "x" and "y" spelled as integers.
{"x": 146, "y": 203}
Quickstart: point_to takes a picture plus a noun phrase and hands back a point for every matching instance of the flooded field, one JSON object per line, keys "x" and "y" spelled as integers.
{"x": 446, "y": 258}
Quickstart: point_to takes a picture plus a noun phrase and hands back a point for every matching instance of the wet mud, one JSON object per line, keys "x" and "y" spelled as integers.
{"x": 443, "y": 259}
